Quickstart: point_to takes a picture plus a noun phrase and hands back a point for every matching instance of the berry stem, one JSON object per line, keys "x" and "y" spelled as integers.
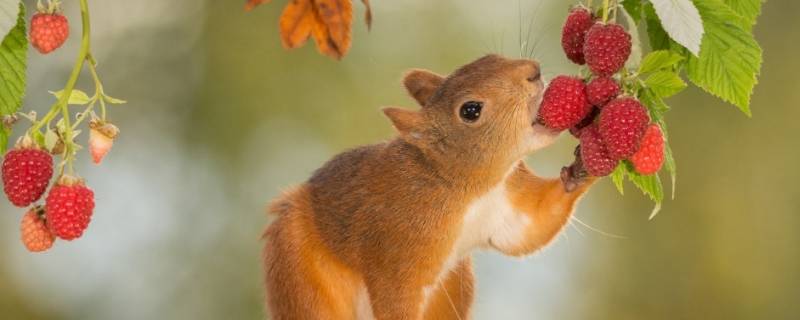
{"x": 605, "y": 11}
{"x": 62, "y": 103}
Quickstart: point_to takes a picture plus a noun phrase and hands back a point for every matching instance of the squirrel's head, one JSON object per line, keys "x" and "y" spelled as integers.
{"x": 484, "y": 112}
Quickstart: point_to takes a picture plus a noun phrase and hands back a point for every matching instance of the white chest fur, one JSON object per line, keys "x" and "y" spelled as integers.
{"x": 490, "y": 220}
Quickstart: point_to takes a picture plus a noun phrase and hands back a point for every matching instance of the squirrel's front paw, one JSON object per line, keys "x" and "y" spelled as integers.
{"x": 575, "y": 175}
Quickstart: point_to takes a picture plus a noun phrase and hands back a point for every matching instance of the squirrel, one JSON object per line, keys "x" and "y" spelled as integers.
{"x": 386, "y": 231}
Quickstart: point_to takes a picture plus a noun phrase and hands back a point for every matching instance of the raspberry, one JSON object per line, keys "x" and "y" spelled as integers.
{"x": 564, "y": 103}
{"x": 606, "y": 49}
{"x": 26, "y": 173}
{"x": 588, "y": 120}
{"x": 101, "y": 138}
{"x": 601, "y": 90}
{"x": 48, "y": 31}
{"x": 622, "y": 124}
{"x": 69, "y": 208}
{"x": 650, "y": 157}
{"x": 573, "y": 34}
{"x": 35, "y": 234}
{"x": 594, "y": 154}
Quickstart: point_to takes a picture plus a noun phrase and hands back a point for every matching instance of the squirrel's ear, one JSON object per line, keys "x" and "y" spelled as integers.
{"x": 421, "y": 84}
{"x": 407, "y": 122}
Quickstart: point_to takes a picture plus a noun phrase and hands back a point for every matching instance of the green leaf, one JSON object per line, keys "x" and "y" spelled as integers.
{"x": 617, "y": 177}
{"x": 13, "y": 55}
{"x": 634, "y": 9}
{"x": 650, "y": 185}
{"x": 658, "y": 38}
{"x": 730, "y": 58}
{"x": 655, "y": 105}
{"x": 50, "y": 139}
{"x": 75, "y": 97}
{"x": 659, "y": 60}
{"x": 749, "y": 10}
{"x": 681, "y": 20}
{"x": 113, "y": 100}
{"x": 669, "y": 163}
{"x": 9, "y": 11}
{"x": 665, "y": 83}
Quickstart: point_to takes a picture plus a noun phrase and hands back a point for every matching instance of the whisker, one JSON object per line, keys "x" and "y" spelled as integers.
{"x": 607, "y": 234}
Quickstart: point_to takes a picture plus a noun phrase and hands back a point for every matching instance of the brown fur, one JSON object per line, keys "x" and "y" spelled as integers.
{"x": 386, "y": 217}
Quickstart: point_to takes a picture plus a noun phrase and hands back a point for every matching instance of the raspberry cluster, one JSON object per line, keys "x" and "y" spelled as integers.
{"x": 27, "y": 170}
{"x": 611, "y": 124}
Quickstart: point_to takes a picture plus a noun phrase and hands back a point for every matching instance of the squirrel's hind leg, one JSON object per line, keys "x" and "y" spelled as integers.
{"x": 303, "y": 279}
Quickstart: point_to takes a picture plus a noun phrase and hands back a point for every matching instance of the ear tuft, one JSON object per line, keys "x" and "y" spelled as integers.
{"x": 421, "y": 84}
{"x": 407, "y": 122}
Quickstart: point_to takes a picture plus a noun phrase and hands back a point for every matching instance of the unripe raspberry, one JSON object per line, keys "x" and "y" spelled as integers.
{"x": 573, "y": 34}
{"x": 607, "y": 48}
{"x": 26, "y": 173}
{"x": 564, "y": 103}
{"x": 594, "y": 154}
{"x": 622, "y": 124}
{"x": 601, "y": 90}
{"x": 650, "y": 157}
{"x": 69, "y": 207}
{"x": 101, "y": 138}
{"x": 48, "y": 31}
{"x": 34, "y": 233}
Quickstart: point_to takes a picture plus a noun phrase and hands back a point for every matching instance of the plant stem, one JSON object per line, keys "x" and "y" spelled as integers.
{"x": 605, "y": 11}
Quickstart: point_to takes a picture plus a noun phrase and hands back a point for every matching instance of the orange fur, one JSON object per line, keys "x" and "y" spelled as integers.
{"x": 386, "y": 230}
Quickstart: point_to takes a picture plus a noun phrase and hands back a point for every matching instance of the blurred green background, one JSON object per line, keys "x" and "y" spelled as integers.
{"x": 220, "y": 119}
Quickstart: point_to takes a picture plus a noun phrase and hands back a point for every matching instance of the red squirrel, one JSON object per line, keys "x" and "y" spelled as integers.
{"x": 386, "y": 231}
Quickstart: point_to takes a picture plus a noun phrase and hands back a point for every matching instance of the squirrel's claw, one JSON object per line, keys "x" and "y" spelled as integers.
{"x": 575, "y": 174}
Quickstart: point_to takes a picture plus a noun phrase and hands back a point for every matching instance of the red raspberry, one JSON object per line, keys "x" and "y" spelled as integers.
{"x": 26, "y": 174}
{"x": 607, "y": 48}
{"x": 594, "y": 154}
{"x": 35, "y": 235}
{"x": 48, "y": 31}
{"x": 622, "y": 124}
{"x": 601, "y": 90}
{"x": 69, "y": 208}
{"x": 573, "y": 34}
{"x": 587, "y": 121}
{"x": 564, "y": 103}
{"x": 650, "y": 157}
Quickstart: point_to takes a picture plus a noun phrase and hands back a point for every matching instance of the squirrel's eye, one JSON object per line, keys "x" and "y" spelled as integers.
{"x": 470, "y": 111}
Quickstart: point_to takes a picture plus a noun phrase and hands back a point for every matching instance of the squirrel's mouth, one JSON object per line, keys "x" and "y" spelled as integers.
{"x": 534, "y": 100}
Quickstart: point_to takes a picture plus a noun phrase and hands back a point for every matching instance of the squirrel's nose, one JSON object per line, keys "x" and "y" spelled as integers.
{"x": 536, "y": 76}
{"x": 536, "y": 72}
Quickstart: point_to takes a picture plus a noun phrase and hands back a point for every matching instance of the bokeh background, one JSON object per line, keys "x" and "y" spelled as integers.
{"x": 220, "y": 119}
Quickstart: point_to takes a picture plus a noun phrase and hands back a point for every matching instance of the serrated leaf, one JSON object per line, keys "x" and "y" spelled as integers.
{"x": 659, "y": 60}
{"x": 749, "y": 10}
{"x": 113, "y": 100}
{"x": 634, "y": 9}
{"x": 77, "y": 97}
{"x": 665, "y": 83}
{"x": 681, "y": 20}
{"x": 13, "y": 55}
{"x": 650, "y": 185}
{"x": 9, "y": 11}
{"x": 50, "y": 139}
{"x": 730, "y": 58}
{"x": 617, "y": 177}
